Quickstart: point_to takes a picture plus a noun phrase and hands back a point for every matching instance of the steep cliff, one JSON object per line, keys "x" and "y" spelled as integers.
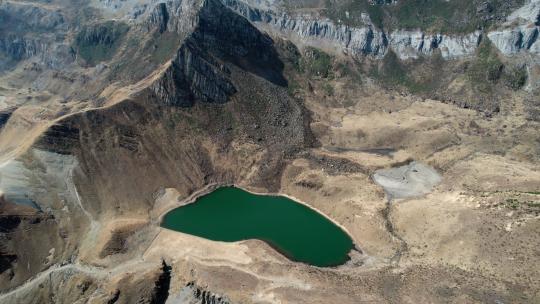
{"x": 26, "y": 31}
{"x": 368, "y": 40}
{"x": 520, "y": 32}
{"x": 407, "y": 44}
{"x": 314, "y": 31}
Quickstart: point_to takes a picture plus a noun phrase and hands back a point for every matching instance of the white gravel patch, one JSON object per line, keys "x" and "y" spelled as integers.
{"x": 414, "y": 179}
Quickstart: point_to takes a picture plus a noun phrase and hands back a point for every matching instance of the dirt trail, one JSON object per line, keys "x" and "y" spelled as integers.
{"x": 94, "y": 225}
{"x": 404, "y": 247}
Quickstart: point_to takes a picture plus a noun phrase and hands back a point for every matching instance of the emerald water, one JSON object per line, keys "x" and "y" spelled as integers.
{"x": 231, "y": 214}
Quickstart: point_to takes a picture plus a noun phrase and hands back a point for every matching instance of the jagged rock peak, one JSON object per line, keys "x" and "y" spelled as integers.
{"x": 192, "y": 77}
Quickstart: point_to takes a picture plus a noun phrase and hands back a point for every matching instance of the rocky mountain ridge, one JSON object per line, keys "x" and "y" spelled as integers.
{"x": 519, "y": 35}
{"x": 368, "y": 40}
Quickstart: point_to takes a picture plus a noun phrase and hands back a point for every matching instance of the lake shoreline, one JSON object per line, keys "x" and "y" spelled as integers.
{"x": 207, "y": 189}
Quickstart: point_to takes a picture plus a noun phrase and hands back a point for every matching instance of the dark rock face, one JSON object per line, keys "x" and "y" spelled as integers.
{"x": 335, "y": 165}
{"x": 105, "y": 34}
{"x": 20, "y": 17}
{"x": 161, "y": 289}
{"x": 9, "y": 222}
{"x": 99, "y": 42}
{"x": 17, "y": 47}
{"x": 25, "y": 29}
{"x": 233, "y": 38}
{"x": 6, "y": 260}
{"x": 206, "y": 297}
{"x": 5, "y": 115}
{"x": 20, "y": 254}
{"x": 192, "y": 76}
{"x": 59, "y": 138}
{"x": 159, "y": 18}
{"x": 198, "y": 72}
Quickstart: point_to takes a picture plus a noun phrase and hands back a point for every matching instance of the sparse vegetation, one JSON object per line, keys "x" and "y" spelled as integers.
{"x": 290, "y": 54}
{"x": 292, "y": 86}
{"x": 328, "y": 89}
{"x": 394, "y": 72}
{"x": 163, "y": 46}
{"x": 514, "y": 203}
{"x": 515, "y": 78}
{"x": 486, "y": 69}
{"x": 348, "y": 69}
{"x": 316, "y": 63}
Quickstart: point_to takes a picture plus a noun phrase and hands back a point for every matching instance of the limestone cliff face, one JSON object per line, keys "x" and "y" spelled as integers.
{"x": 411, "y": 44}
{"x": 515, "y": 40}
{"x": 368, "y": 40}
{"x": 361, "y": 41}
{"x": 315, "y": 31}
{"x": 523, "y": 37}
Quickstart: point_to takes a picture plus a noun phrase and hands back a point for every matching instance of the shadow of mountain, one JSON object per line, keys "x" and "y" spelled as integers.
{"x": 232, "y": 38}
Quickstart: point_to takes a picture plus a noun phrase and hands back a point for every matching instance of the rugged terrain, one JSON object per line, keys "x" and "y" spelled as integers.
{"x": 412, "y": 124}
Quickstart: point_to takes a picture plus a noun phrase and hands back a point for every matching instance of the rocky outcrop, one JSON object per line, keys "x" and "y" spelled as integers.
{"x": 179, "y": 16}
{"x": 523, "y": 37}
{"x": 411, "y": 44}
{"x": 21, "y": 185}
{"x": 194, "y": 294}
{"x": 528, "y": 13}
{"x": 53, "y": 55}
{"x": 158, "y": 18}
{"x": 368, "y": 40}
{"x": 5, "y": 114}
{"x": 24, "y": 16}
{"x": 361, "y": 41}
{"x": 162, "y": 284}
{"x": 18, "y": 48}
{"x": 191, "y": 77}
{"x": 26, "y": 31}
{"x": 36, "y": 193}
{"x": 219, "y": 35}
{"x": 365, "y": 40}
{"x": 515, "y": 40}
{"x": 105, "y": 34}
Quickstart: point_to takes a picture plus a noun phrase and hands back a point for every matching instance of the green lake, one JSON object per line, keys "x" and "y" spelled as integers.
{"x": 231, "y": 214}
